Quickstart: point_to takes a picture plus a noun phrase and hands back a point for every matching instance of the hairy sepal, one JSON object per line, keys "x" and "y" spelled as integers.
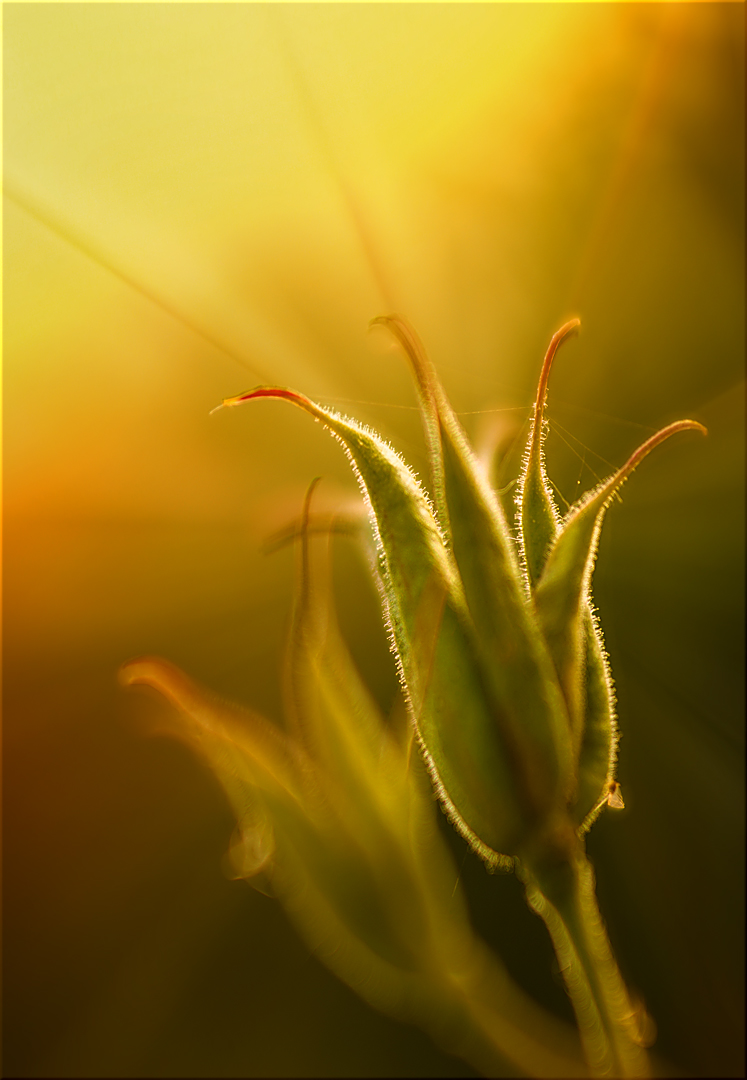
{"x": 527, "y": 704}
{"x": 591, "y": 702}
{"x": 538, "y": 515}
{"x": 450, "y": 697}
{"x": 562, "y": 603}
{"x": 560, "y": 584}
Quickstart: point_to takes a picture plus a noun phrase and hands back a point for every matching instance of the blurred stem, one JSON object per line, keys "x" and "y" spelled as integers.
{"x": 505, "y": 1033}
{"x": 563, "y": 895}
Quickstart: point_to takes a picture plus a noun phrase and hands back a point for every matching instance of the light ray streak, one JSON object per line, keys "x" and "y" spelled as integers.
{"x": 87, "y": 247}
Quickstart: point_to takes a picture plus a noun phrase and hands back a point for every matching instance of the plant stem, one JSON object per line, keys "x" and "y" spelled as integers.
{"x": 504, "y": 1027}
{"x": 564, "y": 897}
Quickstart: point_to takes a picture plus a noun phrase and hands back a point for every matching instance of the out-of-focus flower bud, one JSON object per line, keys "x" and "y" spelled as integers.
{"x": 335, "y": 817}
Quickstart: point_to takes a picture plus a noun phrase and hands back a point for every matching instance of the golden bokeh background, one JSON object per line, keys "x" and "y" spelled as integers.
{"x": 200, "y": 198}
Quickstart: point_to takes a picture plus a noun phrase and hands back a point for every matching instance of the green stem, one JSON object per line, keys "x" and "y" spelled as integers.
{"x": 564, "y": 897}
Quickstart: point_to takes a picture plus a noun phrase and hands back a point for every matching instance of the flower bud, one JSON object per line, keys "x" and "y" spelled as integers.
{"x": 502, "y": 665}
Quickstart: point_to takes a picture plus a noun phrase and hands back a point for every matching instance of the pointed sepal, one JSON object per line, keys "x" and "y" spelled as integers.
{"x": 563, "y": 589}
{"x": 527, "y": 704}
{"x": 451, "y": 702}
{"x": 539, "y": 519}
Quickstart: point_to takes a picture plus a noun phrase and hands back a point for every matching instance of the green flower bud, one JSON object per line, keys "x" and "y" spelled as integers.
{"x": 502, "y": 664}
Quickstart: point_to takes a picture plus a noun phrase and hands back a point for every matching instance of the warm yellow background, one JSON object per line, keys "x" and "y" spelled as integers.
{"x": 203, "y": 197}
